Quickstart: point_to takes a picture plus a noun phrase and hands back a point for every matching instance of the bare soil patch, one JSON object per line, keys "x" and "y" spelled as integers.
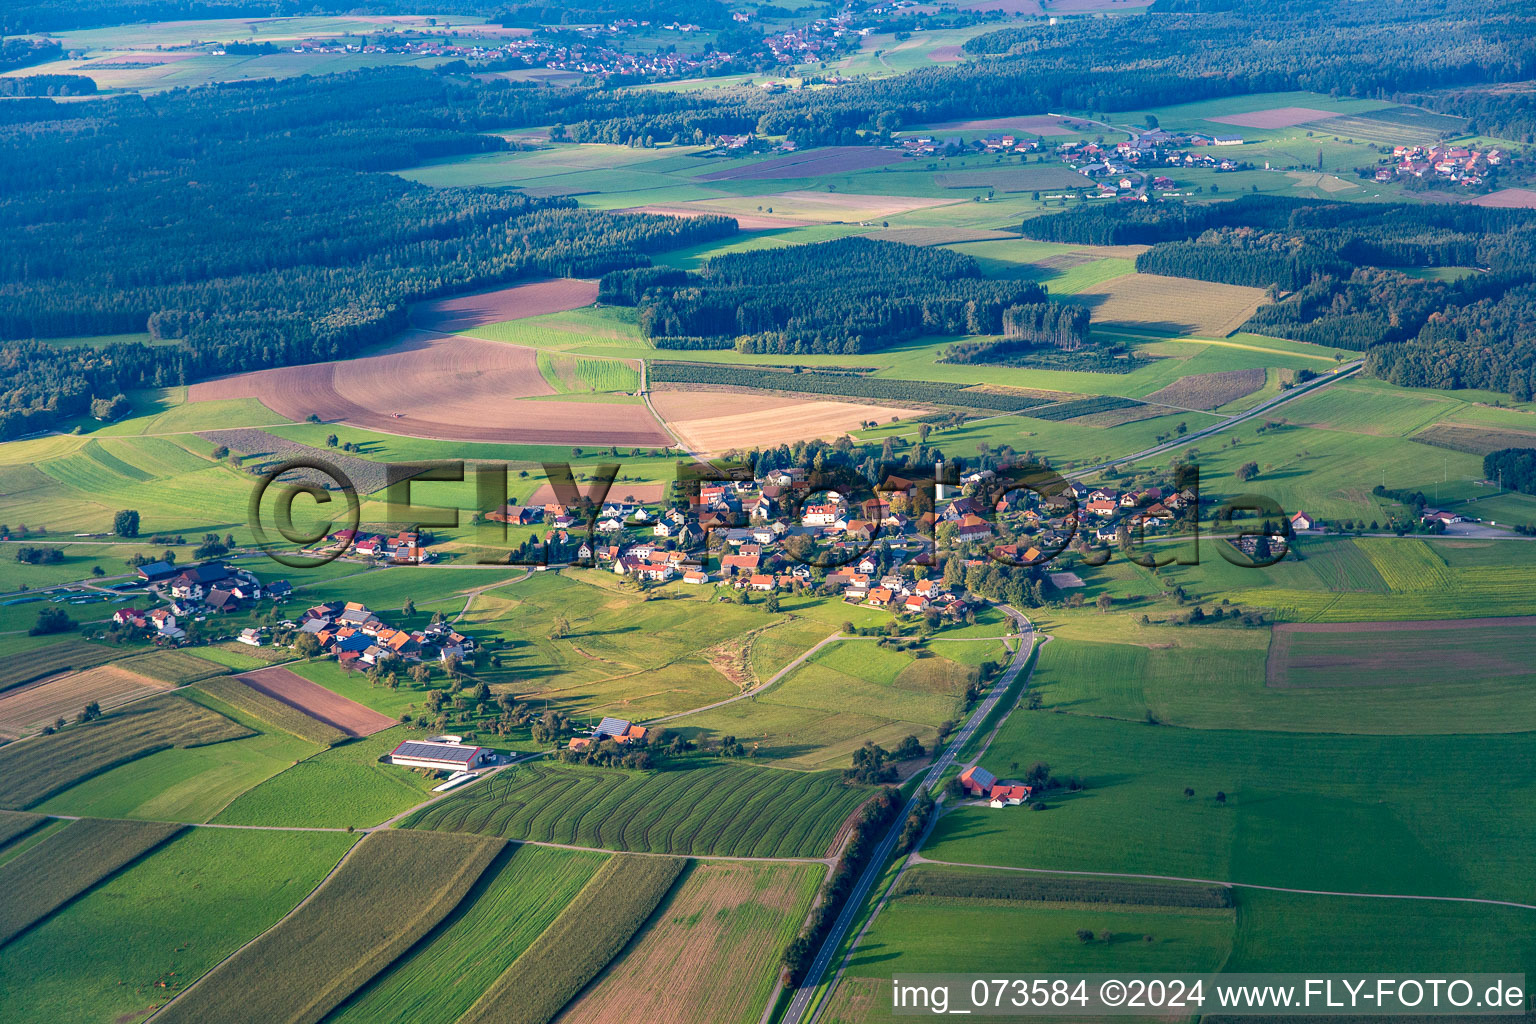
{"x": 316, "y": 701}
{"x": 429, "y": 385}
{"x": 31, "y": 707}
{"x": 1209, "y": 390}
{"x": 1275, "y": 117}
{"x": 716, "y": 421}
{"x": 809, "y": 164}
{"x": 946, "y": 54}
{"x": 1507, "y": 198}
{"x": 1353, "y": 654}
{"x": 492, "y": 307}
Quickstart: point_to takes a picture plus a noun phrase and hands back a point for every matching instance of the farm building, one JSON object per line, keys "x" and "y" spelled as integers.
{"x": 617, "y": 729}
{"x": 439, "y": 753}
{"x": 977, "y": 780}
{"x": 1009, "y": 794}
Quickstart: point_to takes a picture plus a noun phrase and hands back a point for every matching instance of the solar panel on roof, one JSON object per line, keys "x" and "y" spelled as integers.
{"x": 435, "y": 751}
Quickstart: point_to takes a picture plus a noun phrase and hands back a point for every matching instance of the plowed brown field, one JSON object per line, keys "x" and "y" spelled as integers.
{"x": 316, "y": 701}
{"x": 429, "y": 385}
{"x": 492, "y": 307}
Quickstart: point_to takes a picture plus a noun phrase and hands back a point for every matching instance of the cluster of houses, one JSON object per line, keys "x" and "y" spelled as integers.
{"x": 814, "y": 41}
{"x": 359, "y": 639}
{"x": 928, "y": 145}
{"x": 588, "y": 50}
{"x": 1462, "y": 164}
{"x": 404, "y": 548}
{"x": 195, "y": 592}
{"x": 618, "y": 730}
{"x": 981, "y": 784}
{"x": 1146, "y": 508}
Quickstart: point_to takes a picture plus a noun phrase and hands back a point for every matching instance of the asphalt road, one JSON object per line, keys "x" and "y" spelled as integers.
{"x": 798, "y": 1005}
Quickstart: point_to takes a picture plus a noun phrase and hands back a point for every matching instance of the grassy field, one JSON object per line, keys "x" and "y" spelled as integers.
{"x": 574, "y": 375}
{"x": 518, "y": 897}
{"x": 352, "y": 928}
{"x": 590, "y": 932}
{"x": 50, "y": 874}
{"x": 125, "y": 948}
{"x": 182, "y": 783}
{"x": 719, "y": 809}
{"x": 848, "y": 693}
{"x": 1215, "y": 678}
{"x": 710, "y": 952}
{"x": 1303, "y": 810}
{"x": 36, "y": 769}
{"x": 345, "y": 785}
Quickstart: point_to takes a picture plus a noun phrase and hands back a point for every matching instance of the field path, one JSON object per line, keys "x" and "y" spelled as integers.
{"x": 920, "y": 859}
{"x": 780, "y": 674}
{"x": 799, "y": 1008}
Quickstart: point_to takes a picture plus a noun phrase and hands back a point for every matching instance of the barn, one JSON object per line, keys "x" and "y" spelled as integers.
{"x": 438, "y": 754}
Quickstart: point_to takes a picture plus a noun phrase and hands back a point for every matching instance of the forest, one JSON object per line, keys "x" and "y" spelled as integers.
{"x": 1514, "y": 468}
{"x": 249, "y": 224}
{"x": 1337, "y": 271}
{"x": 848, "y": 295}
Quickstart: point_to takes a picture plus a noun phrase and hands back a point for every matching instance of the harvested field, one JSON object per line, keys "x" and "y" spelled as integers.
{"x": 1023, "y": 178}
{"x": 40, "y": 880}
{"x": 1400, "y": 653}
{"x": 1507, "y": 198}
{"x": 265, "y": 451}
{"x": 592, "y": 930}
{"x": 251, "y": 701}
{"x": 35, "y": 769}
{"x": 1066, "y": 580}
{"x": 946, "y": 54}
{"x": 1028, "y": 124}
{"x": 53, "y": 659}
{"x": 427, "y": 385}
{"x": 29, "y": 708}
{"x": 492, "y": 307}
{"x": 386, "y": 894}
{"x": 1177, "y": 304}
{"x": 1209, "y": 390}
{"x": 809, "y": 164}
{"x": 714, "y": 421}
{"x": 316, "y": 701}
{"x": 1475, "y": 440}
{"x": 709, "y": 953}
{"x": 745, "y": 221}
{"x": 1275, "y": 117}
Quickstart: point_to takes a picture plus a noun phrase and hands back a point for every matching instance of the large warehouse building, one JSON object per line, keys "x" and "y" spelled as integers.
{"x": 438, "y": 754}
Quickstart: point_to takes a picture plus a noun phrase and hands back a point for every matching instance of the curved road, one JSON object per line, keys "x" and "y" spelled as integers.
{"x": 795, "y": 1013}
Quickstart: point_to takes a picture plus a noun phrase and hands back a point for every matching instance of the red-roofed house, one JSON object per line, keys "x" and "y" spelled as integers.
{"x": 977, "y": 780}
